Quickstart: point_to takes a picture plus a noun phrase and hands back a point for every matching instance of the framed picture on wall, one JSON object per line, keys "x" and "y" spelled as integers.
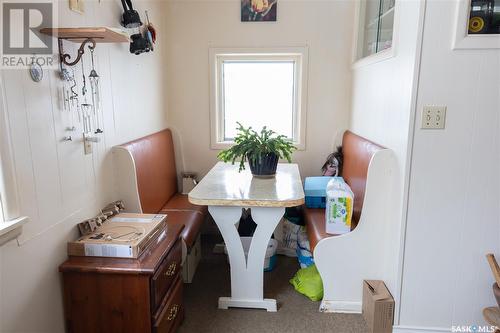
{"x": 258, "y": 10}
{"x": 484, "y": 17}
{"x": 477, "y": 25}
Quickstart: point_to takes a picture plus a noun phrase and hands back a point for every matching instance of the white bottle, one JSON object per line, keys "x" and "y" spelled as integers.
{"x": 339, "y": 204}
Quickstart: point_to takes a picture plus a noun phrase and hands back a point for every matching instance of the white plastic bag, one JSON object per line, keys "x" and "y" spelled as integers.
{"x": 286, "y": 234}
{"x": 304, "y": 254}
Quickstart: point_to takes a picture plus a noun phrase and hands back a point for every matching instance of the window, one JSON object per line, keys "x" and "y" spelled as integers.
{"x": 258, "y": 88}
{"x": 2, "y": 218}
{"x": 376, "y": 20}
{"x": 10, "y": 219}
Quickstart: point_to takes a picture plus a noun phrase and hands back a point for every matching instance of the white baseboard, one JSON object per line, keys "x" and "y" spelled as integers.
{"x": 340, "y": 307}
{"x": 413, "y": 329}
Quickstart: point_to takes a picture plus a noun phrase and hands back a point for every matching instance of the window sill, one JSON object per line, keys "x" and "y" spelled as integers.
{"x": 11, "y": 229}
{"x": 220, "y": 145}
{"x": 374, "y": 58}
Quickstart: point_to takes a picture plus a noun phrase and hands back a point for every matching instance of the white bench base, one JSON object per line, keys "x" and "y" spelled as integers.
{"x": 370, "y": 250}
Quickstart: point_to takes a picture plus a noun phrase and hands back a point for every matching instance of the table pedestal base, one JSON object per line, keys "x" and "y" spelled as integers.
{"x": 247, "y": 274}
{"x": 265, "y": 303}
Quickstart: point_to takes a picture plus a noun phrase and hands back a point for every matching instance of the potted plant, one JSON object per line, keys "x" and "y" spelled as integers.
{"x": 261, "y": 150}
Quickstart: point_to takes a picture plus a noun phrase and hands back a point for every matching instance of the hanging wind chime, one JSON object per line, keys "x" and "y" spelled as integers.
{"x": 94, "y": 90}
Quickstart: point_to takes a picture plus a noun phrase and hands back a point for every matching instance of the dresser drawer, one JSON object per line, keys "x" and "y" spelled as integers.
{"x": 165, "y": 275}
{"x": 171, "y": 314}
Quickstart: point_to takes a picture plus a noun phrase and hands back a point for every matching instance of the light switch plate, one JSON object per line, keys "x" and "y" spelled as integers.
{"x": 433, "y": 117}
{"x": 87, "y": 146}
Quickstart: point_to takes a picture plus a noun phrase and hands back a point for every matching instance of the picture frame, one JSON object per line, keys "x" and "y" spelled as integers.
{"x": 259, "y": 10}
{"x": 462, "y": 39}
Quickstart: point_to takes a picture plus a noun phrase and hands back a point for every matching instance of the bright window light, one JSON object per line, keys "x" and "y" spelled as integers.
{"x": 1, "y": 211}
{"x": 258, "y": 94}
{"x": 259, "y": 88}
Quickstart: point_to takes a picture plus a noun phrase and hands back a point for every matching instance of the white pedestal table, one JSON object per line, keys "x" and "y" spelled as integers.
{"x": 226, "y": 191}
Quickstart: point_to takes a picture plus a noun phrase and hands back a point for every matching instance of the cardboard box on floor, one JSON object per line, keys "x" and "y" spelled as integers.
{"x": 378, "y": 306}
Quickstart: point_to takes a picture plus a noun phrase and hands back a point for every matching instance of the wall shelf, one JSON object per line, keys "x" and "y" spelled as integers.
{"x": 88, "y": 35}
{"x": 99, "y": 34}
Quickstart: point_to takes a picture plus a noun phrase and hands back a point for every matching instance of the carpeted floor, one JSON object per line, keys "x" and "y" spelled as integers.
{"x": 296, "y": 313}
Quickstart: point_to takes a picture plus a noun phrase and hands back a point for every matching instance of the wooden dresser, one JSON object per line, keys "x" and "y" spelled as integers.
{"x": 126, "y": 295}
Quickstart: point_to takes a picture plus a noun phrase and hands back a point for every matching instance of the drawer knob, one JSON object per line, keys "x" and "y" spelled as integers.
{"x": 173, "y": 312}
{"x": 171, "y": 269}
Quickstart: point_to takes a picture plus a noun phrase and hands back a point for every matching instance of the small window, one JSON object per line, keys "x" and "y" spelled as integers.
{"x": 2, "y": 218}
{"x": 9, "y": 205}
{"x": 257, "y": 90}
{"x": 376, "y": 25}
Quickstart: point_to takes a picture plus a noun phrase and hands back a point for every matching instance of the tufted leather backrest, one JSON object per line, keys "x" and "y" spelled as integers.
{"x": 358, "y": 153}
{"x": 155, "y": 166}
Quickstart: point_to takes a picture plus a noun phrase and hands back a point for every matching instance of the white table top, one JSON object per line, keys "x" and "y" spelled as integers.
{"x": 225, "y": 186}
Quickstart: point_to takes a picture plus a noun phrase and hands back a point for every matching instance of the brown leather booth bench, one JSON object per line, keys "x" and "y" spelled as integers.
{"x": 358, "y": 152}
{"x": 153, "y": 160}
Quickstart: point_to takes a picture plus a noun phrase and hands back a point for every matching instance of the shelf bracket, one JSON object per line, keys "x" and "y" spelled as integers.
{"x": 64, "y": 57}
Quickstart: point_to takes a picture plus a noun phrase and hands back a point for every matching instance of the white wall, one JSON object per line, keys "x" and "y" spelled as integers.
{"x": 382, "y": 96}
{"x": 194, "y": 26}
{"x": 454, "y": 200}
{"x": 58, "y": 185}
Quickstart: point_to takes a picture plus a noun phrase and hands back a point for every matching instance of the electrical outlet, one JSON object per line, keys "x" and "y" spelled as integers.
{"x": 433, "y": 117}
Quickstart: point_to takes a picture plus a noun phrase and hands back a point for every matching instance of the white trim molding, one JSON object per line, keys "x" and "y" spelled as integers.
{"x": 462, "y": 40}
{"x": 297, "y": 54}
{"x": 340, "y": 307}
{"x": 11, "y": 229}
{"x": 417, "y": 329}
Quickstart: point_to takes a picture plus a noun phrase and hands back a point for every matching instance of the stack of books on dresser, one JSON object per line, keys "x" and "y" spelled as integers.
{"x": 125, "y": 235}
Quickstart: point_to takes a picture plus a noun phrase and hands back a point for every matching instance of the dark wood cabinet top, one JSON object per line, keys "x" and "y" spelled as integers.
{"x": 146, "y": 264}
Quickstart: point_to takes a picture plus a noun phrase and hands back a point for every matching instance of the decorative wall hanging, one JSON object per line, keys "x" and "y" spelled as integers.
{"x": 36, "y": 72}
{"x": 77, "y": 102}
{"x": 484, "y": 17}
{"x": 258, "y": 10}
{"x": 477, "y": 25}
{"x": 77, "y": 6}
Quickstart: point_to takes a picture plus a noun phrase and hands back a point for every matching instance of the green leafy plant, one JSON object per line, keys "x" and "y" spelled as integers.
{"x": 253, "y": 146}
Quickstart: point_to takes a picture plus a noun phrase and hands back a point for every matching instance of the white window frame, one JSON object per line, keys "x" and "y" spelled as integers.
{"x": 11, "y": 221}
{"x": 379, "y": 56}
{"x": 299, "y": 55}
